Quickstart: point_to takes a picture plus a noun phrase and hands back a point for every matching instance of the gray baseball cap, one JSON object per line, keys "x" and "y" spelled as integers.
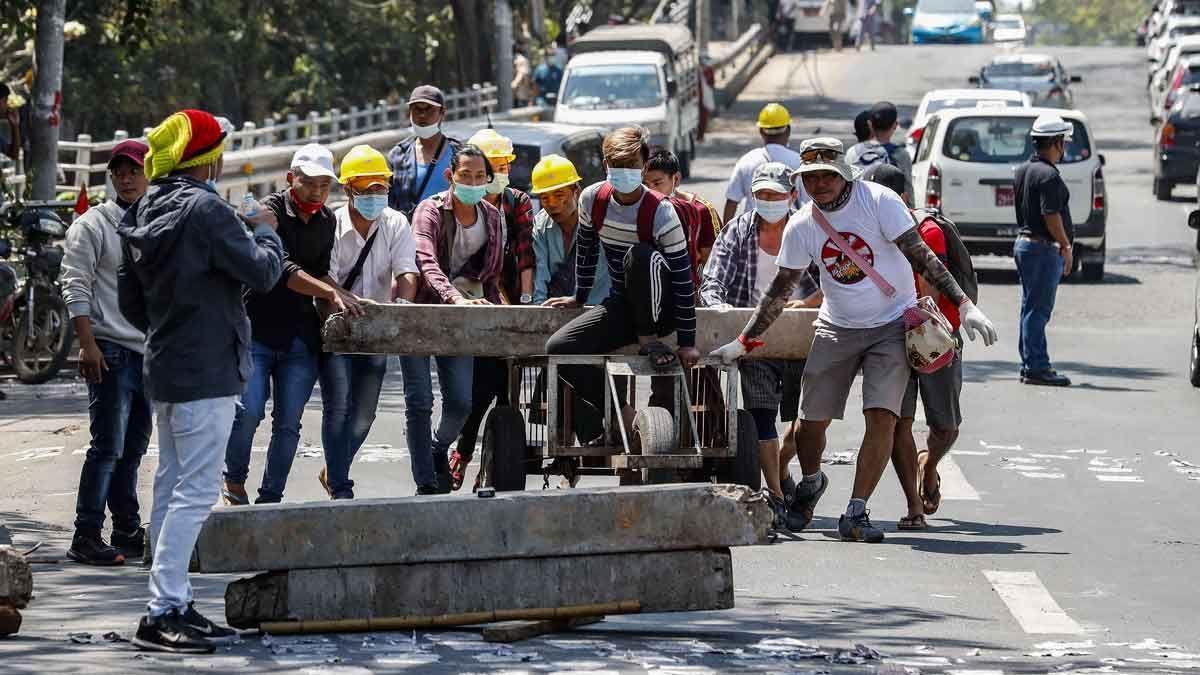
{"x": 821, "y": 149}
{"x": 773, "y": 176}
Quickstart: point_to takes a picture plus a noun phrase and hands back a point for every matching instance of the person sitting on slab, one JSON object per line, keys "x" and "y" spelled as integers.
{"x": 646, "y": 249}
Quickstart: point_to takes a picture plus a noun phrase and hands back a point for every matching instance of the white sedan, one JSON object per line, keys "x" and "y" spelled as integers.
{"x": 946, "y": 99}
{"x": 1009, "y": 28}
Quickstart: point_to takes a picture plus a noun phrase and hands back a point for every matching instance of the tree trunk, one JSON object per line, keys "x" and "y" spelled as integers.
{"x": 469, "y": 38}
{"x": 47, "y": 96}
{"x": 504, "y": 52}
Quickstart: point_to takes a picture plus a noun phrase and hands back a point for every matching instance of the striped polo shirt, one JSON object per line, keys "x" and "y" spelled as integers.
{"x": 618, "y": 235}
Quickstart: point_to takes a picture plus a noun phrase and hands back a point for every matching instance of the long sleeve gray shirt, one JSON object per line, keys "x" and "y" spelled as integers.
{"x": 89, "y": 278}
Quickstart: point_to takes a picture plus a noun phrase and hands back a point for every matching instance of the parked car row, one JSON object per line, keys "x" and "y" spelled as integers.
{"x": 966, "y": 145}
{"x": 1173, "y": 92}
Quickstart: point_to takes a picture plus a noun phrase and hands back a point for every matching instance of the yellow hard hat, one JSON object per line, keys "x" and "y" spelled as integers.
{"x": 774, "y": 116}
{"x": 493, "y": 145}
{"x": 363, "y": 160}
{"x": 552, "y": 173}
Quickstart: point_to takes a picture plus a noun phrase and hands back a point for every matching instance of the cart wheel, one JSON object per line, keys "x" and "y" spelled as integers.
{"x": 654, "y": 434}
{"x": 502, "y": 457}
{"x": 743, "y": 469}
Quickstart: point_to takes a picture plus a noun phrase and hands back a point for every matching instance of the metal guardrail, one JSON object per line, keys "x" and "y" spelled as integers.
{"x": 77, "y": 157}
{"x": 743, "y": 50}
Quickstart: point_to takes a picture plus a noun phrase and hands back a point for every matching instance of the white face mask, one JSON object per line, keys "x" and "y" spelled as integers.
{"x": 772, "y": 211}
{"x": 497, "y": 184}
{"x": 426, "y": 132}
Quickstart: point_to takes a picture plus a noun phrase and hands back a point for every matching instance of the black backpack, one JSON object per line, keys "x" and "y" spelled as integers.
{"x": 959, "y": 259}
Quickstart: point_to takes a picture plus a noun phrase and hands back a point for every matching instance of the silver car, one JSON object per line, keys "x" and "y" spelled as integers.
{"x": 1042, "y": 77}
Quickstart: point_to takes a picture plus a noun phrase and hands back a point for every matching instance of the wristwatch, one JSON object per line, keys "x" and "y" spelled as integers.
{"x": 526, "y": 298}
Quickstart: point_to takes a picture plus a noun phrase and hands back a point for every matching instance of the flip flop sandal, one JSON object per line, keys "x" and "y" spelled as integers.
{"x": 232, "y": 498}
{"x": 912, "y": 523}
{"x": 661, "y": 357}
{"x": 929, "y": 502}
{"x": 458, "y": 468}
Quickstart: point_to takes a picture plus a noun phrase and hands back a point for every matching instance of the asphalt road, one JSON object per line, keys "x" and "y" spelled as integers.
{"x": 1067, "y": 542}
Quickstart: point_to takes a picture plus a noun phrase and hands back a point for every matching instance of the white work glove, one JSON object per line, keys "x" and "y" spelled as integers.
{"x": 974, "y": 321}
{"x": 736, "y": 349}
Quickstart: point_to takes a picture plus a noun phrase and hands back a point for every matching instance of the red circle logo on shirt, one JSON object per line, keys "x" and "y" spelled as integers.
{"x": 839, "y": 265}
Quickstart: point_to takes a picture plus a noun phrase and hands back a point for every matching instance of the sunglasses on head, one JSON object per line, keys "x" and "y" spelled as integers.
{"x": 819, "y": 154}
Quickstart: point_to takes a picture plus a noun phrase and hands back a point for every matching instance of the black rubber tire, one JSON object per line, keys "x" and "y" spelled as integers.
{"x": 502, "y": 455}
{"x": 51, "y": 314}
{"x": 654, "y": 434}
{"x": 1162, "y": 189}
{"x": 743, "y": 469}
{"x": 1194, "y": 361}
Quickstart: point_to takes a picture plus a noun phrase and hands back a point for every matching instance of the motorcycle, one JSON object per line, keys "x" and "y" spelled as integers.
{"x": 35, "y": 330}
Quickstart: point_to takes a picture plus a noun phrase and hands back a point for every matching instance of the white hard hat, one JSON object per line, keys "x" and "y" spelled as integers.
{"x": 1050, "y": 125}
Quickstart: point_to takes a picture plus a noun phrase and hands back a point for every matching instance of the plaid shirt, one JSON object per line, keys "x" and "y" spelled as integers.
{"x": 518, "y": 244}
{"x": 729, "y": 276}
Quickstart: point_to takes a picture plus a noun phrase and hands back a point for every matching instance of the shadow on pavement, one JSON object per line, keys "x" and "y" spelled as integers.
{"x": 993, "y": 370}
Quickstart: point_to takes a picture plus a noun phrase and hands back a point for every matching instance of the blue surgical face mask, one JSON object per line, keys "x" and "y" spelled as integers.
{"x": 772, "y": 211}
{"x": 370, "y": 206}
{"x": 469, "y": 194}
{"x": 625, "y": 180}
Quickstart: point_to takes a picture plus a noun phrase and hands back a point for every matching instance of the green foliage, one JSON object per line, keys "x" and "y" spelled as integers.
{"x": 1088, "y": 23}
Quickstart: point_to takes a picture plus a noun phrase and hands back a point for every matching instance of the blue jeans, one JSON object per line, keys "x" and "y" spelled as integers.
{"x": 429, "y": 453}
{"x": 121, "y": 418}
{"x": 293, "y": 371}
{"x": 350, "y": 385}
{"x": 1040, "y": 267}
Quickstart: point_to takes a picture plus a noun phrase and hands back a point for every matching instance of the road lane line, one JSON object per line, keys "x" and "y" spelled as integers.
{"x": 1110, "y": 478}
{"x": 954, "y": 483}
{"x": 1031, "y": 604}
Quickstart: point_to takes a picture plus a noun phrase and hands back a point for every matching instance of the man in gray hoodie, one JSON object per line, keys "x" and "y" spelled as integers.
{"x": 188, "y": 257}
{"x": 110, "y": 359}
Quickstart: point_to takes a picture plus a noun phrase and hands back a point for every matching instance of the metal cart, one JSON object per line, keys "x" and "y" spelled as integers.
{"x": 691, "y": 442}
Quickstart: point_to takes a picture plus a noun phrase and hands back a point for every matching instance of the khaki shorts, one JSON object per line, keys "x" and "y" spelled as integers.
{"x": 837, "y": 356}
{"x": 940, "y": 393}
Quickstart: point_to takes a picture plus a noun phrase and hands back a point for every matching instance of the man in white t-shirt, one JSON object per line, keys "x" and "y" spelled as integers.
{"x": 775, "y": 128}
{"x": 350, "y": 383}
{"x": 860, "y": 326}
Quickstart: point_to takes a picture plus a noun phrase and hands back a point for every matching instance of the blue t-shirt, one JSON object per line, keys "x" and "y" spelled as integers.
{"x": 548, "y": 77}
{"x": 437, "y": 182}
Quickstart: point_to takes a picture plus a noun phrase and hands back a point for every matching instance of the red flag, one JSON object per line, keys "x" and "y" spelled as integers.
{"x": 81, "y": 203}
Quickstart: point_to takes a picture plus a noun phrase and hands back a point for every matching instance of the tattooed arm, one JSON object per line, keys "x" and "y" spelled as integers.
{"x": 772, "y": 303}
{"x": 926, "y": 264}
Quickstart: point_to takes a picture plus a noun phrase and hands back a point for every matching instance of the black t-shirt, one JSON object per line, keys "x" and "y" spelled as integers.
{"x": 1039, "y": 190}
{"x": 276, "y": 318}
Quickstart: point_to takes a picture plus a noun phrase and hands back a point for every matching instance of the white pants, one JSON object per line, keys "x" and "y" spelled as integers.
{"x": 191, "y": 440}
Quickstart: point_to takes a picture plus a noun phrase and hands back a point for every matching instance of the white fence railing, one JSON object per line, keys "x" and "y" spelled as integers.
{"x": 84, "y": 160}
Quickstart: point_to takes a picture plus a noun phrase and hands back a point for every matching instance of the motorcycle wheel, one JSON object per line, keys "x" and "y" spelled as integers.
{"x": 37, "y": 356}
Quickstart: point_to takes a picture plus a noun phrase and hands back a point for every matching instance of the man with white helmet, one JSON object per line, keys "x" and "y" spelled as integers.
{"x": 285, "y": 329}
{"x": 1043, "y": 247}
{"x": 867, "y": 247}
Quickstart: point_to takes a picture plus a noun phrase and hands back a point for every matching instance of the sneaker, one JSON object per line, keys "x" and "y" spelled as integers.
{"x": 427, "y": 490}
{"x": 780, "y": 509}
{"x": 202, "y": 625}
{"x": 170, "y": 633}
{"x": 788, "y": 485}
{"x": 859, "y": 529}
{"x": 92, "y": 550}
{"x": 800, "y": 512}
{"x": 1046, "y": 378}
{"x": 132, "y": 545}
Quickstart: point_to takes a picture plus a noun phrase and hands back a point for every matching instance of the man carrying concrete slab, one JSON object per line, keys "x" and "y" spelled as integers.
{"x": 646, "y": 250}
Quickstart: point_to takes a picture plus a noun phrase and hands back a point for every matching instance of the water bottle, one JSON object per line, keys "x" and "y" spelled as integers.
{"x": 250, "y": 205}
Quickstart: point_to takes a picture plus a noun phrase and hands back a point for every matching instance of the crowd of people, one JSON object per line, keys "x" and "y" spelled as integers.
{"x": 192, "y": 313}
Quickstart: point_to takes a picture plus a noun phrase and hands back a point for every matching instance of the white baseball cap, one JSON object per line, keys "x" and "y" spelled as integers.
{"x": 314, "y": 160}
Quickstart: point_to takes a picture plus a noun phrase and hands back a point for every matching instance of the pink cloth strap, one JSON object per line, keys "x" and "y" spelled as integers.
{"x": 839, "y": 241}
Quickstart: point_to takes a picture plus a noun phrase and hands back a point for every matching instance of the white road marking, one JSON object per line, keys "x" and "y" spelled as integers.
{"x": 973, "y": 453}
{"x": 1042, "y": 474}
{"x": 954, "y": 483}
{"x": 1031, "y": 604}
{"x": 1109, "y": 478}
{"x": 989, "y": 446}
{"x": 1109, "y": 469}
{"x": 1040, "y": 456}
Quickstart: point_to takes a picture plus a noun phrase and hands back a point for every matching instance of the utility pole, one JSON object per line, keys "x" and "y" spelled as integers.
{"x": 504, "y": 53}
{"x": 47, "y": 95}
